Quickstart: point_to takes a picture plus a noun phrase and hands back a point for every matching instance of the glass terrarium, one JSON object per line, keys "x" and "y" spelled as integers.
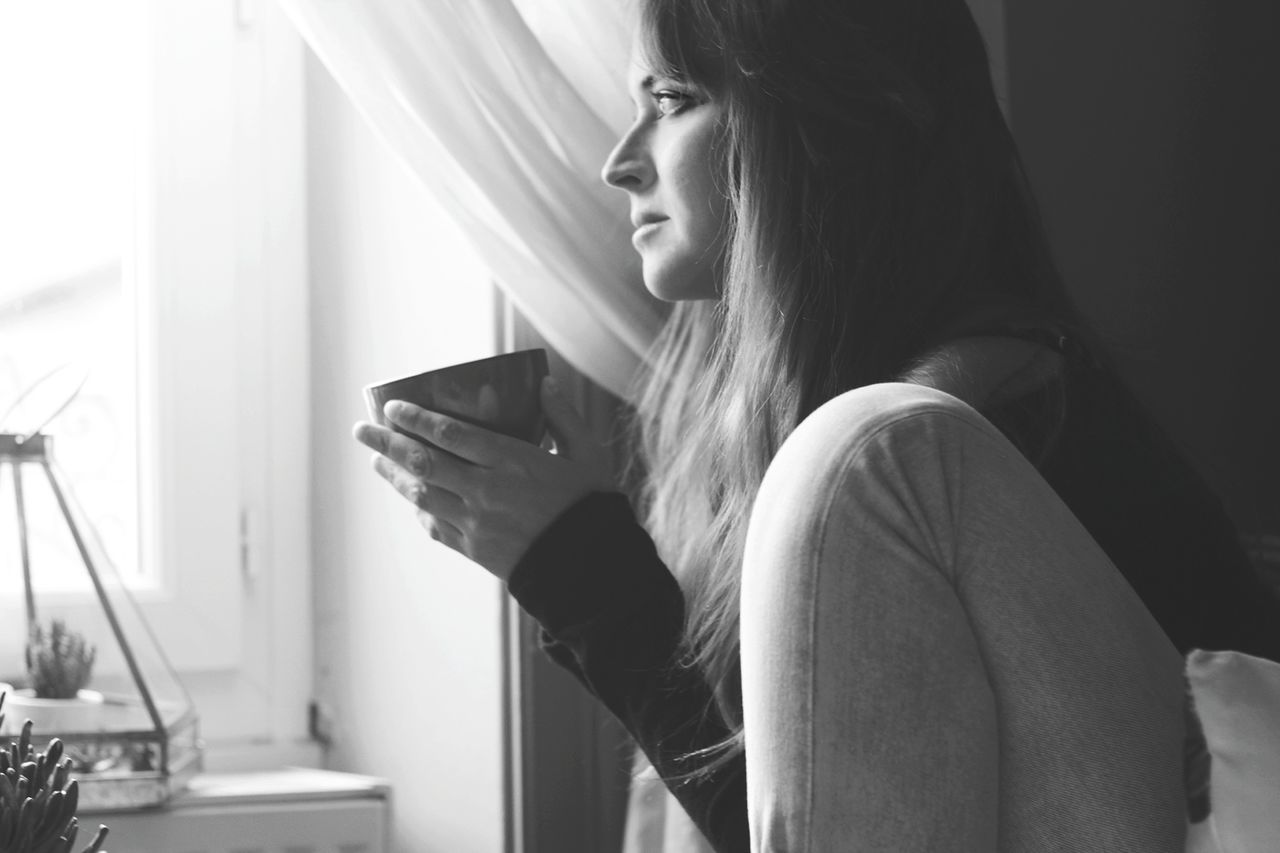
{"x": 77, "y": 658}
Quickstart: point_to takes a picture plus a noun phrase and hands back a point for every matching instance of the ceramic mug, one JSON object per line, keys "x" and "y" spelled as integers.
{"x": 501, "y": 393}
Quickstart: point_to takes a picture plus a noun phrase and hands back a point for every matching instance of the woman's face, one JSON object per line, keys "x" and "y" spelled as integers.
{"x": 671, "y": 168}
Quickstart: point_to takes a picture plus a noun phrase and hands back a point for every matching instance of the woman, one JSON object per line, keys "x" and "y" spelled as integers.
{"x": 858, "y": 614}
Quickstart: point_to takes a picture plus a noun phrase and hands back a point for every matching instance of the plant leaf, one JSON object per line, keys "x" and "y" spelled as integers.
{"x": 95, "y": 846}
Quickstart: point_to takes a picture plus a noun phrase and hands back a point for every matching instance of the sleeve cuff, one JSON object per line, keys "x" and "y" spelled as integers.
{"x": 594, "y": 559}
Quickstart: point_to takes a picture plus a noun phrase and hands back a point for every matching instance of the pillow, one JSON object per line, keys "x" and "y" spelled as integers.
{"x": 1237, "y": 700}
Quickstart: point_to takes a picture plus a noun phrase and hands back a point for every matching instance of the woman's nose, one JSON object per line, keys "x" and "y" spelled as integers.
{"x": 628, "y": 166}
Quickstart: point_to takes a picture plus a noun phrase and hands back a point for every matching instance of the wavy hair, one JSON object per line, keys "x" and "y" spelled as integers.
{"x": 878, "y": 207}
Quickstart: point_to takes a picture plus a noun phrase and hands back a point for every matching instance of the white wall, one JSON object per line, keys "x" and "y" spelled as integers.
{"x": 407, "y": 631}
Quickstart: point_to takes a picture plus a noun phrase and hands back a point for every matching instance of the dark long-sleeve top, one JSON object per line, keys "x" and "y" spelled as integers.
{"x": 612, "y": 613}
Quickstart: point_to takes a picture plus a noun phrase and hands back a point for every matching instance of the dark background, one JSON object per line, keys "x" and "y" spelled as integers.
{"x": 1151, "y": 133}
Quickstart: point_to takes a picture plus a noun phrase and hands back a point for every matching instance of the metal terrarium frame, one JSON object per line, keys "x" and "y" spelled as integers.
{"x": 132, "y": 765}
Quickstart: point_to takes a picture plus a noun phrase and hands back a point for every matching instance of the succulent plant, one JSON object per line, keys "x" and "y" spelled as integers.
{"x": 38, "y": 799}
{"x": 59, "y": 662}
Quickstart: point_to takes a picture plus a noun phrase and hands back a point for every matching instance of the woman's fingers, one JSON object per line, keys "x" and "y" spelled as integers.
{"x": 410, "y": 487}
{"x": 429, "y": 464}
{"x": 486, "y": 495}
{"x": 386, "y": 441}
{"x": 442, "y": 531}
{"x": 436, "y": 501}
{"x": 443, "y": 514}
{"x": 466, "y": 441}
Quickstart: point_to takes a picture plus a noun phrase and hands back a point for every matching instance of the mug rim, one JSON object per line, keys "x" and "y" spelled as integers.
{"x": 523, "y": 353}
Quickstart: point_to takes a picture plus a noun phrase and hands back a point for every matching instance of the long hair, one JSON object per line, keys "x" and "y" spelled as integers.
{"x": 877, "y": 205}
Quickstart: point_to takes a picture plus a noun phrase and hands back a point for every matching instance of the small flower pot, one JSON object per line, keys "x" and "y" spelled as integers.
{"x": 51, "y": 717}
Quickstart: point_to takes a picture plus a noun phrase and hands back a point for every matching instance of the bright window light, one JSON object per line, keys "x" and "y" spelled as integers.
{"x": 71, "y": 90}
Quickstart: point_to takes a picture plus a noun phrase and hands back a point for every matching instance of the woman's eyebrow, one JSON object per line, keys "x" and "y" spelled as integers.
{"x": 649, "y": 82}
{"x": 643, "y": 86}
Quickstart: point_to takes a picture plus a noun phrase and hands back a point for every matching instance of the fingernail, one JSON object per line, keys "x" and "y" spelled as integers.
{"x": 392, "y": 408}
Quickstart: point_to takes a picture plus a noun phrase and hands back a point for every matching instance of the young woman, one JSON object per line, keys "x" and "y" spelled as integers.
{"x": 912, "y": 570}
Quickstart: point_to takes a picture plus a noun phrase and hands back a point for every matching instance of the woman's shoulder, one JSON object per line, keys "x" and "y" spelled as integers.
{"x": 1018, "y": 376}
{"x": 988, "y": 371}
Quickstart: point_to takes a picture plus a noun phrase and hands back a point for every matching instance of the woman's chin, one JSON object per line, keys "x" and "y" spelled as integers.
{"x": 673, "y": 288}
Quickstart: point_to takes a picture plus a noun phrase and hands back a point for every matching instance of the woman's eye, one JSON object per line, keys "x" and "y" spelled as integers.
{"x": 670, "y": 102}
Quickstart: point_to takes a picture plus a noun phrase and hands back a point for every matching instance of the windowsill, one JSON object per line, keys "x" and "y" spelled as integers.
{"x": 237, "y": 757}
{"x": 285, "y": 785}
{"x": 292, "y": 784}
{"x": 285, "y": 809}
{"x": 266, "y": 772}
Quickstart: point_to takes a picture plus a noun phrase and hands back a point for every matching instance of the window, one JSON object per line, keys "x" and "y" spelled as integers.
{"x": 151, "y": 226}
{"x": 66, "y": 170}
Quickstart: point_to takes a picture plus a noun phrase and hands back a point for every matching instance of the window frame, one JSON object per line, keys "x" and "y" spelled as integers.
{"x": 224, "y": 506}
{"x": 567, "y": 760}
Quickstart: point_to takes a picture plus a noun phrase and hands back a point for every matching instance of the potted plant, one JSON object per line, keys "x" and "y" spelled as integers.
{"x": 38, "y": 798}
{"x": 59, "y": 665}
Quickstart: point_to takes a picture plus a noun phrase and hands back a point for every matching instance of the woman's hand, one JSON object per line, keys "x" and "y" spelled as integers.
{"x": 484, "y": 494}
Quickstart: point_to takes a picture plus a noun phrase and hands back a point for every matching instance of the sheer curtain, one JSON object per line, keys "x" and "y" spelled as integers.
{"x": 505, "y": 111}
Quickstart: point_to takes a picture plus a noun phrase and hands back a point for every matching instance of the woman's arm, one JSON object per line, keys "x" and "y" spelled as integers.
{"x": 611, "y": 612}
{"x": 612, "y": 615}
{"x": 569, "y": 547}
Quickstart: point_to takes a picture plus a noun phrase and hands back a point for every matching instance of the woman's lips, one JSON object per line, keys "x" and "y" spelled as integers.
{"x": 645, "y": 231}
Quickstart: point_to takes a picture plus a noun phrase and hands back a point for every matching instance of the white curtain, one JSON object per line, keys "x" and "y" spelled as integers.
{"x": 505, "y": 111}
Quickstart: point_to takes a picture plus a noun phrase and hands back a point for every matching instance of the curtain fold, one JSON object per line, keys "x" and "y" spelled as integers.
{"x": 505, "y": 112}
